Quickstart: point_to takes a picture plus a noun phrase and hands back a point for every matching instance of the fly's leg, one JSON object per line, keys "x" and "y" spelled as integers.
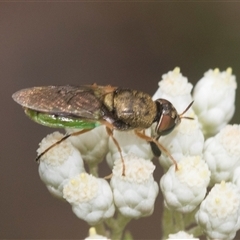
{"x": 160, "y": 146}
{"x": 110, "y": 133}
{"x": 61, "y": 140}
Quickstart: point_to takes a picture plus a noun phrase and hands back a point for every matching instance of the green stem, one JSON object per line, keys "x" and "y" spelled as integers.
{"x": 117, "y": 226}
{"x": 93, "y": 169}
{"x": 167, "y": 222}
{"x": 178, "y": 221}
{"x": 196, "y": 231}
{"x": 174, "y": 221}
{"x": 189, "y": 218}
{"x": 100, "y": 229}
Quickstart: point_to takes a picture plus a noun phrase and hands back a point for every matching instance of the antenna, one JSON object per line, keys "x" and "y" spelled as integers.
{"x": 181, "y": 115}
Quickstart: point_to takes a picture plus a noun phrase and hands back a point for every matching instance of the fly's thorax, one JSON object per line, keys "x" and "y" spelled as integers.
{"x": 135, "y": 109}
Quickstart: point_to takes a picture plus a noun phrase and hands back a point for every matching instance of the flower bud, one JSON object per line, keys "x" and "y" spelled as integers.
{"x": 181, "y": 235}
{"x": 175, "y": 88}
{"x": 222, "y": 153}
{"x": 94, "y": 236}
{"x": 135, "y": 193}
{"x": 214, "y": 97}
{"x": 91, "y": 198}
{"x": 61, "y": 162}
{"x": 185, "y": 188}
{"x": 219, "y": 213}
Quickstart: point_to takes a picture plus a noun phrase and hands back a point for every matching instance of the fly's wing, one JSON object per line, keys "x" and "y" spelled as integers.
{"x": 82, "y": 102}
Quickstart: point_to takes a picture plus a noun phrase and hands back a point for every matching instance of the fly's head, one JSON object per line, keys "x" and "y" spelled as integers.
{"x": 167, "y": 117}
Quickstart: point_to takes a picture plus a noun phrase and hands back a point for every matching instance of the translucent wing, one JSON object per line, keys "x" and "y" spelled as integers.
{"x": 82, "y": 101}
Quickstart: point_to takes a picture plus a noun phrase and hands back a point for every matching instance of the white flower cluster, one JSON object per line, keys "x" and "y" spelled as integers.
{"x": 93, "y": 199}
{"x": 204, "y": 163}
{"x": 205, "y": 182}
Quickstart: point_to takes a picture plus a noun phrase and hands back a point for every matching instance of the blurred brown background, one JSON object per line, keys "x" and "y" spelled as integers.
{"x": 123, "y": 44}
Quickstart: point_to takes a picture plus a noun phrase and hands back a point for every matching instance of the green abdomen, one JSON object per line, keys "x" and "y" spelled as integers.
{"x": 55, "y": 121}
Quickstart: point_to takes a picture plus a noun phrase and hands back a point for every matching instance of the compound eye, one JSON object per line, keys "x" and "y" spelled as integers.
{"x": 165, "y": 125}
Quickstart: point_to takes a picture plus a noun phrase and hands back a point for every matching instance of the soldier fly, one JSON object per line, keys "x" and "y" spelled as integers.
{"x": 87, "y": 107}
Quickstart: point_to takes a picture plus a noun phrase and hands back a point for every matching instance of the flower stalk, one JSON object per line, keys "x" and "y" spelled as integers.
{"x": 117, "y": 225}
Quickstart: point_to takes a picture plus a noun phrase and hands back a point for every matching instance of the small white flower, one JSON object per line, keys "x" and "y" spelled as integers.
{"x": 61, "y": 162}
{"x": 222, "y": 153}
{"x": 175, "y": 88}
{"x": 219, "y": 213}
{"x": 185, "y": 140}
{"x": 129, "y": 142}
{"x": 134, "y": 193}
{"x": 91, "y": 198}
{"x": 181, "y": 235}
{"x": 185, "y": 188}
{"x": 214, "y": 97}
{"x": 93, "y": 145}
{"x": 94, "y": 236}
